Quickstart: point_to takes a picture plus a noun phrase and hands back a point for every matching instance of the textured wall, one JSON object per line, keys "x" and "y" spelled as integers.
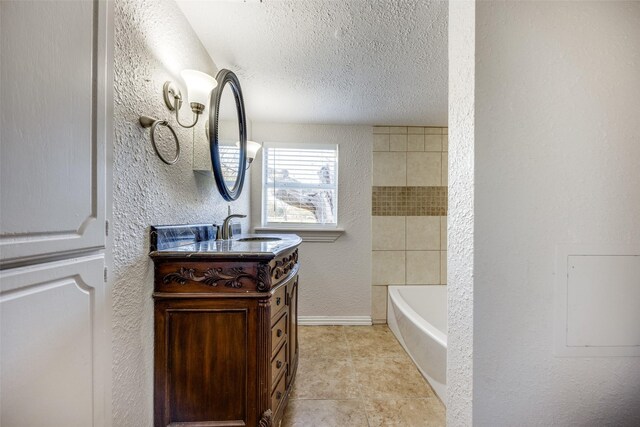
{"x": 335, "y": 277}
{"x": 557, "y": 119}
{"x": 153, "y": 42}
{"x": 461, "y": 212}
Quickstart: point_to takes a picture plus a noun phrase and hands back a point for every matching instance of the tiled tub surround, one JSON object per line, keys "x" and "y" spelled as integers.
{"x": 358, "y": 376}
{"x": 409, "y": 210}
{"x": 409, "y": 201}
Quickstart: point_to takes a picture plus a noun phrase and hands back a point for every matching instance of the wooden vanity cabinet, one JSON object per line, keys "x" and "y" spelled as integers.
{"x": 226, "y": 347}
{"x": 292, "y": 302}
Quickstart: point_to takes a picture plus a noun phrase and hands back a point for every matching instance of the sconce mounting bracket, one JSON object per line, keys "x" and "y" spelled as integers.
{"x": 172, "y": 95}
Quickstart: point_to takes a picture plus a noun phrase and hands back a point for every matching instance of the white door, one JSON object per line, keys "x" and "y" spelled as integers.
{"x": 52, "y": 352}
{"x": 52, "y": 128}
{"x": 55, "y": 128}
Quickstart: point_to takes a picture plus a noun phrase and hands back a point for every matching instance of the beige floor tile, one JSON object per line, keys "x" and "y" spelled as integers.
{"x": 358, "y": 376}
{"x": 325, "y": 379}
{"x": 390, "y": 378}
{"x": 325, "y": 413}
{"x": 373, "y": 341}
{"x": 322, "y": 342}
{"x": 405, "y": 413}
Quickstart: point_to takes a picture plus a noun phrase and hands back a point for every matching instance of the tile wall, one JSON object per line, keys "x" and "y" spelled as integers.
{"x": 409, "y": 210}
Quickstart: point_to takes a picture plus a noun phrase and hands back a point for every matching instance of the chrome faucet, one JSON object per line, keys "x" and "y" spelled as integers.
{"x": 224, "y": 232}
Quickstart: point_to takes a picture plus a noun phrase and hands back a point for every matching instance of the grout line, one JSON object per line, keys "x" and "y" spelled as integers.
{"x": 366, "y": 414}
{"x": 352, "y": 366}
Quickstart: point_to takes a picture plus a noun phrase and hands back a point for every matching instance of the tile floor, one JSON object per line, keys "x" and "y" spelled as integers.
{"x": 358, "y": 376}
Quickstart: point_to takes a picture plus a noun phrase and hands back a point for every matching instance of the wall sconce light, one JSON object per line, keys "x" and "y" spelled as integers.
{"x": 252, "y": 150}
{"x": 199, "y": 87}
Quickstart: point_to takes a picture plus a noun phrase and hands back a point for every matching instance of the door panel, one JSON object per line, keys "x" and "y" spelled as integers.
{"x": 52, "y": 116}
{"x": 209, "y": 384}
{"x": 55, "y": 128}
{"x": 52, "y": 336}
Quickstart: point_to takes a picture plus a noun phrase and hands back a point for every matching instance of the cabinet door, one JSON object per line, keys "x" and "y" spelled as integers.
{"x": 205, "y": 362}
{"x": 53, "y": 348}
{"x": 54, "y": 119}
{"x": 292, "y": 293}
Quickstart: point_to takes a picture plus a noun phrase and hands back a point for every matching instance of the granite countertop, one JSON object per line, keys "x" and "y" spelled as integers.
{"x": 234, "y": 248}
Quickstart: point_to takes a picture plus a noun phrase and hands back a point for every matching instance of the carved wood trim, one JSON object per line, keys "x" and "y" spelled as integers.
{"x": 263, "y": 282}
{"x": 284, "y": 266}
{"x": 264, "y": 365}
{"x": 266, "y": 420}
{"x": 230, "y": 277}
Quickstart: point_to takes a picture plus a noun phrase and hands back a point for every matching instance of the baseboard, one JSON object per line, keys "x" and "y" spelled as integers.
{"x": 334, "y": 320}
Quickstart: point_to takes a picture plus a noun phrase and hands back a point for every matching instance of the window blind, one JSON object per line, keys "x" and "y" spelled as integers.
{"x": 229, "y": 159}
{"x": 300, "y": 184}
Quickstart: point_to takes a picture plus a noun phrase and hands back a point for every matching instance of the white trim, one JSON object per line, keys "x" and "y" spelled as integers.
{"x": 324, "y": 235}
{"x": 563, "y": 252}
{"x": 334, "y": 320}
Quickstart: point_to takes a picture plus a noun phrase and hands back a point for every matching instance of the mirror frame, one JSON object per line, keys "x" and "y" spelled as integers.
{"x": 223, "y": 78}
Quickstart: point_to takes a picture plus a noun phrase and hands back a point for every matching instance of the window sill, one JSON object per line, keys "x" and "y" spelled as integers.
{"x": 322, "y": 235}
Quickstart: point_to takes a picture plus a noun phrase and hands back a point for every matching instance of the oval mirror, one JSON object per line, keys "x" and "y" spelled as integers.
{"x": 228, "y": 135}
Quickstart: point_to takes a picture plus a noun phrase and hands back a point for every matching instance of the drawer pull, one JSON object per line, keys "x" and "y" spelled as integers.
{"x": 279, "y": 364}
{"x": 278, "y": 301}
{"x": 279, "y": 333}
{"x": 278, "y": 395}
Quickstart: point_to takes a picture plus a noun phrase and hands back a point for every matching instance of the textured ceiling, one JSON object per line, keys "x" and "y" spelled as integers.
{"x": 331, "y": 61}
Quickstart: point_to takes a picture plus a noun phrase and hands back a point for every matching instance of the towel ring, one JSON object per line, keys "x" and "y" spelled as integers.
{"x": 149, "y": 122}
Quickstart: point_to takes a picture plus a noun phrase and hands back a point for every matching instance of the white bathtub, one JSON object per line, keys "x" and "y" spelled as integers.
{"x": 417, "y": 315}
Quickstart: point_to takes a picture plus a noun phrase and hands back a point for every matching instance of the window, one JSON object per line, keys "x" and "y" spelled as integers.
{"x": 300, "y": 184}
{"x": 229, "y": 160}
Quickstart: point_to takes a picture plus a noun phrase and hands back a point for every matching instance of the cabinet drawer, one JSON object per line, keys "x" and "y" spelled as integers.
{"x": 279, "y": 363}
{"x": 279, "y": 332}
{"x": 278, "y": 394}
{"x": 278, "y": 300}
